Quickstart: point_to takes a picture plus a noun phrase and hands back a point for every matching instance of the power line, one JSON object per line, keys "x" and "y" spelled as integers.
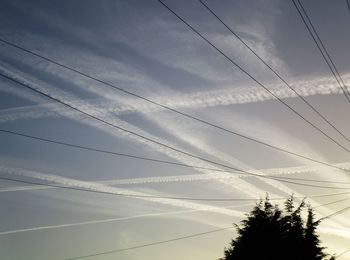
{"x": 131, "y": 156}
{"x": 109, "y": 152}
{"x": 331, "y": 203}
{"x": 347, "y": 250}
{"x": 164, "y": 106}
{"x": 324, "y": 48}
{"x": 158, "y": 142}
{"x": 131, "y": 195}
{"x": 253, "y": 78}
{"x": 155, "y": 196}
{"x": 274, "y": 71}
{"x": 341, "y": 211}
{"x": 153, "y": 243}
{"x": 158, "y": 242}
{"x": 348, "y": 4}
{"x": 321, "y": 47}
{"x": 124, "y": 194}
{"x": 311, "y": 180}
{"x": 226, "y": 207}
{"x": 114, "y": 125}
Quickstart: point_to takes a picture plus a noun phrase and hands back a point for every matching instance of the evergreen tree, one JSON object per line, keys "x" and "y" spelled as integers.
{"x": 312, "y": 242}
{"x": 269, "y": 233}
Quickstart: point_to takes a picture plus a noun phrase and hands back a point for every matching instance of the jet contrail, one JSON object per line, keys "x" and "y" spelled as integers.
{"x": 108, "y": 220}
{"x": 172, "y": 154}
{"x": 110, "y": 189}
{"x": 97, "y": 111}
{"x": 186, "y": 134}
{"x": 243, "y": 187}
{"x": 95, "y": 222}
{"x": 203, "y": 99}
{"x": 195, "y": 207}
{"x": 189, "y": 177}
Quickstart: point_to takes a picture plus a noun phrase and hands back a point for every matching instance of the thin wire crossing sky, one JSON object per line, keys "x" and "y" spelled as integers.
{"x": 132, "y": 123}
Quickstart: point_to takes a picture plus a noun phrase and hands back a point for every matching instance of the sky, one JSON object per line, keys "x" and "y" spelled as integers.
{"x": 141, "y": 47}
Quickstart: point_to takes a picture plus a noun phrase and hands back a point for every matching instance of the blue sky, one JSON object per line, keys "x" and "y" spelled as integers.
{"x": 143, "y": 48}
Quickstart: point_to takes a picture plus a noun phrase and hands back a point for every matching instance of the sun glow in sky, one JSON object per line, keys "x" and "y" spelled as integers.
{"x": 141, "y": 47}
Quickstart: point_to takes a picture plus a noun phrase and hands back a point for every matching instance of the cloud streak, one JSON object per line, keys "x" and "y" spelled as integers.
{"x": 110, "y": 189}
{"x": 242, "y": 187}
{"x": 101, "y": 221}
{"x": 120, "y": 105}
{"x": 109, "y": 220}
{"x": 173, "y": 154}
{"x": 101, "y": 112}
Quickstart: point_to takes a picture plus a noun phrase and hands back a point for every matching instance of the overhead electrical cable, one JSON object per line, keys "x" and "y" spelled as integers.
{"x": 155, "y": 196}
{"x": 93, "y": 149}
{"x": 321, "y": 47}
{"x": 324, "y": 48}
{"x": 132, "y": 156}
{"x": 155, "y": 141}
{"x": 347, "y": 250}
{"x": 161, "y": 105}
{"x": 150, "y": 196}
{"x": 341, "y": 211}
{"x": 161, "y": 242}
{"x": 309, "y": 180}
{"x": 331, "y": 203}
{"x": 253, "y": 78}
{"x": 152, "y": 244}
{"x": 274, "y": 71}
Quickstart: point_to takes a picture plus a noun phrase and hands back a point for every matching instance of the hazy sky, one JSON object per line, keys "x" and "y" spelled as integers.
{"x": 141, "y": 47}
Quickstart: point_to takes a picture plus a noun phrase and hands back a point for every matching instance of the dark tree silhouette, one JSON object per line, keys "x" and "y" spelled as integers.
{"x": 268, "y": 233}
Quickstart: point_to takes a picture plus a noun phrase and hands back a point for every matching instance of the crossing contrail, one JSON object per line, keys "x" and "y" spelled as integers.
{"x": 81, "y": 104}
{"x": 220, "y": 97}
